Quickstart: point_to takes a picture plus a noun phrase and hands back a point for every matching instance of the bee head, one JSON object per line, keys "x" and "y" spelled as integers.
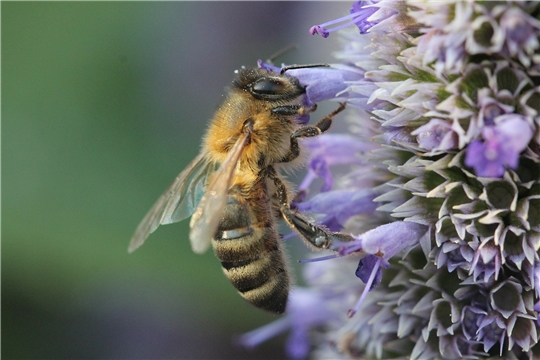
{"x": 267, "y": 85}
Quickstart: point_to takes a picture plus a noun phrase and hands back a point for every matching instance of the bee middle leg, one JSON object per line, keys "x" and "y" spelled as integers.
{"x": 312, "y": 233}
{"x": 310, "y": 131}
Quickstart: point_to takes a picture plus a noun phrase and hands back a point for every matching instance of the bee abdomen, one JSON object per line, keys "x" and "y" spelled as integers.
{"x": 271, "y": 296}
{"x": 262, "y": 280}
{"x": 254, "y": 264}
{"x": 251, "y": 256}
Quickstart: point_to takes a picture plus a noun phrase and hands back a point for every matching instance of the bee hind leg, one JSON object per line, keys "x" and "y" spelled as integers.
{"x": 313, "y": 234}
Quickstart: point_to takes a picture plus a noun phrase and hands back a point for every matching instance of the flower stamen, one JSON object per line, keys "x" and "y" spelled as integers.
{"x": 367, "y": 288}
{"x": 324, "y": 32}
{"x": 321, "y": 258}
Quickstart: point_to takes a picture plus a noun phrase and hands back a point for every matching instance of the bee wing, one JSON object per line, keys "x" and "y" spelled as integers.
{"x": 187, "y": 191}
{"x": 177, "y": 202}
{"x": 206, "y": 218}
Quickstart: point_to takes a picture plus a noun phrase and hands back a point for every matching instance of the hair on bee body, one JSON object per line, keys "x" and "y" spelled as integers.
{"x": 233, "y": 189}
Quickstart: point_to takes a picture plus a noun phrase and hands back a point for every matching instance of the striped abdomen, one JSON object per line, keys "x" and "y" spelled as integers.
{"x": 251, "y": 256}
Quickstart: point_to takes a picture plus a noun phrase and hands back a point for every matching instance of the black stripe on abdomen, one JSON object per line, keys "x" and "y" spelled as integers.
{"x": 255, "y": 266}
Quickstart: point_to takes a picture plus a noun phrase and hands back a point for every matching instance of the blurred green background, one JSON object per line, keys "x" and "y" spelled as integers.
{"x": 103, "y": 104}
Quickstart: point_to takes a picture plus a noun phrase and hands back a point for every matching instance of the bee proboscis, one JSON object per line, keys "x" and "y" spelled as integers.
{"x": 234, "y": 191}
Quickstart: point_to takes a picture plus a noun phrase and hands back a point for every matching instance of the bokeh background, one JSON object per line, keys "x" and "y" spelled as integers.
{"x": 103, "y": 104}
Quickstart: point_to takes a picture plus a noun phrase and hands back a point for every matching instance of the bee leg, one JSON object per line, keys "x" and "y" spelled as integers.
{"x": 293, "y": 110}
{"x": 314, "y": 234}
{"x": 310, "y": 131}
{"x": 320, "y": 127}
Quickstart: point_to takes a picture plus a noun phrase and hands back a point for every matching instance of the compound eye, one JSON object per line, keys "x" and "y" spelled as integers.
{"x": 268, "y": 87}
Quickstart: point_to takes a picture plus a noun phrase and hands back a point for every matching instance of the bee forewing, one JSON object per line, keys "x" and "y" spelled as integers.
{"x": 205, "y": 220}
{"x": 188, "y": 193}
{"x": 177, "y": 202}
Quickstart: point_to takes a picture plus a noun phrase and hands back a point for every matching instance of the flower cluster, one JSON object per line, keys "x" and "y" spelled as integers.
{"x": 441, "y": 182}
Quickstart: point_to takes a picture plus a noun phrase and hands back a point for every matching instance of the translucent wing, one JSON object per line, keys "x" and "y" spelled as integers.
{"x": 177, "y": 202}
{"x": 206, "y": 218}
{"x": 187, "y": 194}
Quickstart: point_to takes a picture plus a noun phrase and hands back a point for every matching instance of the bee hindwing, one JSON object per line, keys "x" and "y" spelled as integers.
{"x": 177, "y": 202}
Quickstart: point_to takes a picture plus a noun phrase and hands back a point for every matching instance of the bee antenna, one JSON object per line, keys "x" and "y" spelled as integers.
{"x": 280, "y": 52}
{"x": 292, "y": 67}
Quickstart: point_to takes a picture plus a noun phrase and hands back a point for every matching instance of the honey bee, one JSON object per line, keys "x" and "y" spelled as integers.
{"x": 233, "y": 189}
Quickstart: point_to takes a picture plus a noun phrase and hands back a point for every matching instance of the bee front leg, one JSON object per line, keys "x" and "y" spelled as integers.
{"x": 290, "y": 110}
{"x": 313, "y": 234}
{"x": 321, "y": 125}
{"x": 310, "y": 131}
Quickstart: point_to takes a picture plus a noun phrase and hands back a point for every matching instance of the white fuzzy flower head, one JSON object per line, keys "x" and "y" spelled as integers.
{"x": 441, "y": 189}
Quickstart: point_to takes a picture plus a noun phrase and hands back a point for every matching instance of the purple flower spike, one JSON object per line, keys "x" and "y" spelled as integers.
{"x": 305, "y": 310}
{"x": 328, "y": 150}
{"x": 537, "y": 279}
{"x": 337, "y": 148}
{"x": 321, "y": 168}
{"x": 326, "y": 83}
{"x": 262, "y": 65}
{"x": 321, "y": 83}
{"x": 317, "y": 29}
{"x": 255, "y": 337}
{"x": 386, "y": 240}
{"x": 339, "y": 206}
{"x": 487, "y": 260}
{"x": 369, "y": 270}
{"x": 521, "y": 33}
{"x": 364, "y": 9}
{"x": 436, "y": 135}
{"x": 367, "y": 266}
{"x": 361, "y": 11}
{"x": 501, "y": 146}
{"x": 441, "y": 163}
